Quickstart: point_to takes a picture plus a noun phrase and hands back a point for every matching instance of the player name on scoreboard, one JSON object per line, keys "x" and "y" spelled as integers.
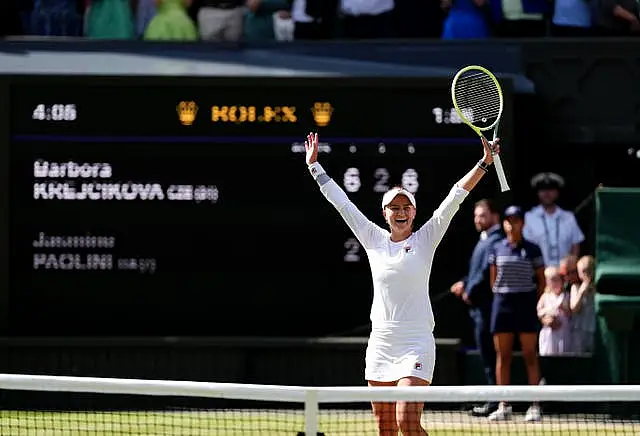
{"x": 92, "y": 181}
{"x": 64, "y": 253}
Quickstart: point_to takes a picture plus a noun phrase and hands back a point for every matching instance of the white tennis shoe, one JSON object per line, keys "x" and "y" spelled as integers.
{"x": 533, "y": 413}
{"x": 503, "y": 413}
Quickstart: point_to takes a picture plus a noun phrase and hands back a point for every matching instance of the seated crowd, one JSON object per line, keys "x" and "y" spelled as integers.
{"x": 285, "y": 20}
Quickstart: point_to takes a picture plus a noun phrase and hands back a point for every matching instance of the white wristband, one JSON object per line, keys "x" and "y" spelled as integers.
{"x": 316, "y": 170}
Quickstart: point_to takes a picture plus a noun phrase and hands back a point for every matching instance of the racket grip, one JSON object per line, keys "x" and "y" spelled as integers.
{"x": 497, "y": 162}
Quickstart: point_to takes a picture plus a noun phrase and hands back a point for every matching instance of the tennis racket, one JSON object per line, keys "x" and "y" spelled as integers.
{"x": 477, "y": 98}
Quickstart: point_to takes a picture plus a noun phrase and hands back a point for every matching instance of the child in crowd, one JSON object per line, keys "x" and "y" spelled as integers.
{"x": 554, "y": 312}
{"x": 582, "y": 305}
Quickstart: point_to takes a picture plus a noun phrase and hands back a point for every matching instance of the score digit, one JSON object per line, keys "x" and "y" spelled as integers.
{"x": 351, "y": 180}
{"x": 382, "y": 178}
{"x": 353, "y": 250}
{"x": 410, "y": 180}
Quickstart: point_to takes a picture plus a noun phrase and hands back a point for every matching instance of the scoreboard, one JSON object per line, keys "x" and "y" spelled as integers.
{"x": 159, "y": 206}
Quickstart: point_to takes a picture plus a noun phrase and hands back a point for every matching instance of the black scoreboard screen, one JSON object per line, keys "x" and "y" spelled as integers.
{"x": 150, "y": 206}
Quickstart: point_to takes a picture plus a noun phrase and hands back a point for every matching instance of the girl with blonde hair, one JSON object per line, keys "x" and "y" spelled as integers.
{"x": 583, "y": 307}
{"x": 554, "y": 312}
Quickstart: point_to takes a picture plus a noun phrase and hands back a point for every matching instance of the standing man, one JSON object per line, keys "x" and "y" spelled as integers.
{"x": 221, "y": 20}
{"x": 550, "y": 227}
{"x": 475, "y": 291}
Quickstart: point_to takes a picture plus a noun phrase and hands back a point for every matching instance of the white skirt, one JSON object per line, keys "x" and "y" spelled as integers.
{"x": 395, "y": 351}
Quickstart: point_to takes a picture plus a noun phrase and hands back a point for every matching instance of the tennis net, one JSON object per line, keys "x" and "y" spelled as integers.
{"x": 53, "y": 405}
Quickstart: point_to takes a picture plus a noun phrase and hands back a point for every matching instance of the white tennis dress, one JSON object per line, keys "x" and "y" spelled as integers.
{"x": 401, "y": 343}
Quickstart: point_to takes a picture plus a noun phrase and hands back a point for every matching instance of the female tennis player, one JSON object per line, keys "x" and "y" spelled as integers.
{"x": 401, "y": 349}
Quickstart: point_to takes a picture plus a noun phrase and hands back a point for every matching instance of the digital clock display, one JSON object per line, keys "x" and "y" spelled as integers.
{"x": 143, "y": 206}
{"x": 55, "y": 112}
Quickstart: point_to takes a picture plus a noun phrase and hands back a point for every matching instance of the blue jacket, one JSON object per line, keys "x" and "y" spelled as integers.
{"x": 476, "y": 283}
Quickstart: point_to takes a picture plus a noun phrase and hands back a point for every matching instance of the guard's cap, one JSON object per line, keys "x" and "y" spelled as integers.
{"x": 547, "y": 181}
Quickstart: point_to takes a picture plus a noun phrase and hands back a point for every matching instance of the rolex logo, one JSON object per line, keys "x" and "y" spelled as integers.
{"x": 187, "y": 111}
{"x": 322, "y": 113}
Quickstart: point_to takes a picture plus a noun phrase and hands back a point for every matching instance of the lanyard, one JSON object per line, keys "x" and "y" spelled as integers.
{"x": 554, "y": 249}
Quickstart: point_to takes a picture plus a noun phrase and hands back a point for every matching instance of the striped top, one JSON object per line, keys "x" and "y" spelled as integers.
{"x": 516, "y": 266}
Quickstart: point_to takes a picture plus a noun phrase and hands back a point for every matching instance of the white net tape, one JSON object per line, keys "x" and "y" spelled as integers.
{"x": 193, "y": 408}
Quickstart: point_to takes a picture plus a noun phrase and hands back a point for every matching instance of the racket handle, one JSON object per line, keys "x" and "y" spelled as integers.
{"x": 497, "y": 162}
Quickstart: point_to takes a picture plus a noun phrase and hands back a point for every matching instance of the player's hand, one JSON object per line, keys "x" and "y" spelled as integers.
{"x": 311, "y": 147}
{"x": 490, "y": 148}
{"x": 457, "y": 289}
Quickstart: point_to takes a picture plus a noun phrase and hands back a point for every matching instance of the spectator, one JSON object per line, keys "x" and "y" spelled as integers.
{"x": 172, "y": 22}
{"x": 571, "y": 18}
{"x": 475, "y": 291}
{"x": 517, "y": 279}
{"x": 55, "y": 18}
{"x": 616, "y": 17}
{"x": 221, "y": 20}
{"x": 552, "y": 228}
{"x": 466, "y": 19}
{"x": 258, "y": 22}
{"x": 145, "y": 12}
{"x": 314, "y": 19}
{"x": 582, "y": 306}
{"x": 554, "y": 313}
{"x": 109, "y": 19}
{"x": 283, "y": 26}
{"x": 367, "y": 19}
{"x": 519, "y": 19}
{"x": 569, "y": 271}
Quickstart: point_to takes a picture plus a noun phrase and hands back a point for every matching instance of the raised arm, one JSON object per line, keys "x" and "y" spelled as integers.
{"x": 435, "y": 228}
{"x": 471, "y": 179}
{"x": 366, "y": 231}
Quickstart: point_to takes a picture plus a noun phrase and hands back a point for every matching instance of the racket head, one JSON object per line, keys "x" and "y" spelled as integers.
{"x": 477, "y": 97}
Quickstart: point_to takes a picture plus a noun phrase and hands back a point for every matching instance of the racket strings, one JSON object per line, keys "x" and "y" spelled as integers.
{"x": 478, "y": 98}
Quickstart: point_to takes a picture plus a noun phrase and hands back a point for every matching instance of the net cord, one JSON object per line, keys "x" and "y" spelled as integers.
{"x": 313, "y": 396}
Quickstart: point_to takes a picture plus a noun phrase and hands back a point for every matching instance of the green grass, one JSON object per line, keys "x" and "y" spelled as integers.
{"x": 284, "y": 422}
